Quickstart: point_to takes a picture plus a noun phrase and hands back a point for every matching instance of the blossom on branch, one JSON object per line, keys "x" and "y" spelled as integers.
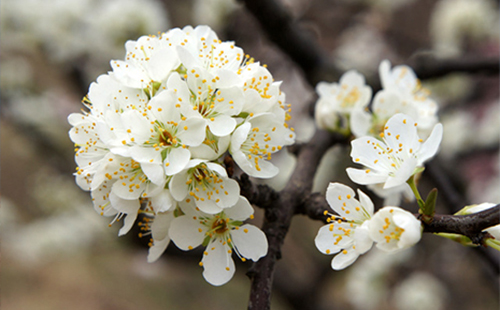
{"x": 222, "y": 234}
{"x": 348, "y": 232}
{"x": 396, "y": 157}
{"x": 394, "y": 229}
{"x": 155, "y": 133}
{"x": 338, "y": 100}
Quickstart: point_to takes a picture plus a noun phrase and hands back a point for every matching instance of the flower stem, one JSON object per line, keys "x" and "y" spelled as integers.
{"x": 413, "y": 186}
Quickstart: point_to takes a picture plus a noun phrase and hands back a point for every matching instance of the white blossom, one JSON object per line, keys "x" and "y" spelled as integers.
{"x": 402, "y": 93}
{"x": 208, "y": 185}
{"x": 347, "y": 233}
{"x": 394, "y": 229}
{"x": 337, "y": 100}
{"x": 395, "y": 158}
{"x": 222, "y": 234}
{"x": 253, "y": 142}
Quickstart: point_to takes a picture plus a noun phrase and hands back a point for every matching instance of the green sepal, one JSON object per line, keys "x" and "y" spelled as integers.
{"x": 463, "y": 240}
{"x": 206, "y": 241}
{"x": 430, "y": 203}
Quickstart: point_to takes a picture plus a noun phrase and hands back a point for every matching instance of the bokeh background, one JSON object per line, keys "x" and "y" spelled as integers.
{"x": 57, "y": 253}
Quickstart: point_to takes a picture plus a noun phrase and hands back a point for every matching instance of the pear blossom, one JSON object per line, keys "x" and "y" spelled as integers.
{"x": 213, "y": 98}
{"x": 402, "y": 93}
{"x": 337, "y": 100}
{"x": 402, "y": 80}
{"x": 208, "y": 185}
{"x": 394, "y": 229}
{"x": 222, "y": 234}
{"x": 348, "y": 232}
{"x": 157, "y": 126}
{"x": 253, "y": 142}
{"x": 395, "y": 158}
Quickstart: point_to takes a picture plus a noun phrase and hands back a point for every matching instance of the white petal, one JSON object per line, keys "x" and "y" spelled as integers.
{"x": 161, "y": 225}
{"x": 192, "y": 131}
{"x": 178, "y": 187}
{"x": 412, "y": 227}
{"x": 157, "y": 249}
{"x": 154, "y": 172}
{"x": 402, "y": 174}
{"x": 163, "y": 201}
{"x": 161, "y": 63}
{"x": 239, "y": 136}
{"x": 217, "y": 263}
{"x": 362, "y": 177}
{"x": 366, "y": 151}
{"x": 240, "y": 211}
{"x": 429, "y": 148}
{"x": 177, "y": 159}
{"x": 341, "y": 199}
{"x": 325, "y": 241}
{"x": 124, "y": 205}
{"x": 250, "y": 242}
{"x": 360, "y": 122}
{"x": 127, "y": 223}
{"x": 185, "y": 232}
{"x": 342, "y": 261}
{"x": 221, "y": 125}
{"x": 366, "y": 203}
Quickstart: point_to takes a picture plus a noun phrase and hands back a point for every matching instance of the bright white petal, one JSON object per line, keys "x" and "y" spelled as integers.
{"x": 342, "y": 261}
{"x": 221, "y": 125}
{"x": 186, "y": 232}
{"x": 429, "y": 148}
{"x": 177, "y": 159}
{"x": 217, "y": 263}
{"x": 157, "y": 249}
{"x": 362, "y": 177}
{"x": 240, "y": 211}
{"x": 250, "y": 242}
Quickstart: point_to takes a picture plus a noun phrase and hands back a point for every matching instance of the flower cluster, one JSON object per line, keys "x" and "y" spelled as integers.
{"x": 354, "y": 228}
{"x": 391, "y": 152}
{"x": 343, "y": 107}
{"x": 158, "y": 127}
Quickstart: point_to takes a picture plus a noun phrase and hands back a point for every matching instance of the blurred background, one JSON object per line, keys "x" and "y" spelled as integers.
{"x": 57, "y": 253}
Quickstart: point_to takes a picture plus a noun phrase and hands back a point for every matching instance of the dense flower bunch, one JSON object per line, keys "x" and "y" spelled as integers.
{"x": 157, "y": 129}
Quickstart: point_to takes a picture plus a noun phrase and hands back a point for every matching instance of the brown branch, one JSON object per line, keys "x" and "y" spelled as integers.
{"x": 281, "y": 29}
{"x": 470, "y": 225}
{"x": 260, "y": 195}
{"x": 427, "y": 66}
{"x": 278, "y": 218}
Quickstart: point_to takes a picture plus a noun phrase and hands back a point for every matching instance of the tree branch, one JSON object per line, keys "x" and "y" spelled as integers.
{"x": 427, "y": 66}
{"x": 278, "y": 218}
{"x": 470, "y": 225}
{"x": 281, "y": 29}
{"x": 260, "y": 195}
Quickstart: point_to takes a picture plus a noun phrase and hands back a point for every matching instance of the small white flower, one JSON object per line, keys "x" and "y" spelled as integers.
{"x": 347, "y": 234}
{"x": 396, "y": 158}
{"x": 211, "y": 97}
{"x": 401, "y": 81}
{"x": 253, "y": 142}
{"x": 208, "y": 185}
{"x": 394, "y": 229}
{"x": 341, "y": 98}
{"x": 222, "y": 234}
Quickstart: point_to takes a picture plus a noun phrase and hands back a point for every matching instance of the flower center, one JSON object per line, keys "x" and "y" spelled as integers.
{"x": 220, "y": 226}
